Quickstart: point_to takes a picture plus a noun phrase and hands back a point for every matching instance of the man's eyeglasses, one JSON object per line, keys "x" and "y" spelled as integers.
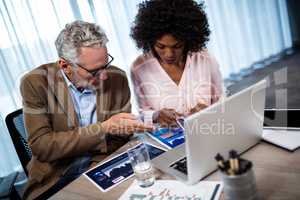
{"x": 95, "y": 72}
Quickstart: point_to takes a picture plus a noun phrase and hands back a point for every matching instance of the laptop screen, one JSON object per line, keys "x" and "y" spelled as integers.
{"x": 282, "y": 118}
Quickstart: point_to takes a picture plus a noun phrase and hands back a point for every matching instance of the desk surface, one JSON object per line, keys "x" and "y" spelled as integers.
{"x": 277, "y": 174}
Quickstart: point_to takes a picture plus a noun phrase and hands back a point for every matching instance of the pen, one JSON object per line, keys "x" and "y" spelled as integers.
{"x": 234, "y": 165}
{"x": 233, "y": 161}
{"x": 179, "y": 124}
{"x": 220, "y": 161}
{"x": 245, "y": 165}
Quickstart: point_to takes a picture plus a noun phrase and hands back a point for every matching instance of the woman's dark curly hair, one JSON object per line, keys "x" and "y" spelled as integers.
{"x": 183, "y": 19}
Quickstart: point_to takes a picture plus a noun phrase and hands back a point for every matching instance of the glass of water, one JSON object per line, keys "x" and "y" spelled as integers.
{"x": 141, "y": 165}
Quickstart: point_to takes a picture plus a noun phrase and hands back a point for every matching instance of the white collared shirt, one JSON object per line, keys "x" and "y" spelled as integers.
{"x": 84, "y": 103}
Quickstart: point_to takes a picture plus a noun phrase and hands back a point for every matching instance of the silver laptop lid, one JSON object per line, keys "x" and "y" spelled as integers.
{"x": 233, "y": 123}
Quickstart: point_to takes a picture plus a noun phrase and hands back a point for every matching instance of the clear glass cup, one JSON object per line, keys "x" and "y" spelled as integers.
{"x": 141, "y": 165}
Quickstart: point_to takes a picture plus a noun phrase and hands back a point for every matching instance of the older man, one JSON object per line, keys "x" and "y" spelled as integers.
{"x": 76, "y": 110}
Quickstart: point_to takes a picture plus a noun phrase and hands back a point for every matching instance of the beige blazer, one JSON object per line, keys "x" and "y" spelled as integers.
{"x": 54, "y": 135}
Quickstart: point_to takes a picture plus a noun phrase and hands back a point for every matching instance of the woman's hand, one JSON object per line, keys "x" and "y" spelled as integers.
{"x": 197, "y": 108}
{"x": 166, "y": 117}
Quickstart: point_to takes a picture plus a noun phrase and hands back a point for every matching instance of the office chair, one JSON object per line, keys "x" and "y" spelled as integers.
{"x": 7, "y": 189}
{"x": 15, "y": 125}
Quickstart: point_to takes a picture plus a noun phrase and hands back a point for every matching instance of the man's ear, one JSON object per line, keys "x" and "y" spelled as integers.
{"x": 62, "y": 64}
{"x": 65, "y": 66}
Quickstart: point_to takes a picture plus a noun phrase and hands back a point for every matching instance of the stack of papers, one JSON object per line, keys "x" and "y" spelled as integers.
{"x": 288, "y": 139}
{"x": 172, "y": 189}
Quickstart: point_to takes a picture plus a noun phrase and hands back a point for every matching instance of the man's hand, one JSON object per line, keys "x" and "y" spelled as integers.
{"x": 124, "y": 123}
{"x": 197, "y": 108}
{"x": 166, "y": 116}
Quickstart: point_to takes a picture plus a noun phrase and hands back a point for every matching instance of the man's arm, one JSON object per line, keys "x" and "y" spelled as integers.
{"x": 126, "y": 104}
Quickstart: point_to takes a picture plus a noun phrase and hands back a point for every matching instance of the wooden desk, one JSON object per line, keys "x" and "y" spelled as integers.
{"x": 277, "y": 174}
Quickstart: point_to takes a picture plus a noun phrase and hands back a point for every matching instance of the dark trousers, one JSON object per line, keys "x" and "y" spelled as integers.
{"x": 79, "y": 166}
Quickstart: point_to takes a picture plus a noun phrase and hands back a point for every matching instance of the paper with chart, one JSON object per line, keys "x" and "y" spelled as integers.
{"x": 172, "y": 189}
{"x": 116, "y": 170}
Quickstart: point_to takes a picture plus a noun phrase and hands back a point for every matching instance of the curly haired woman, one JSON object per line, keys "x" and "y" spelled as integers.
{"x": 175, "y": 76}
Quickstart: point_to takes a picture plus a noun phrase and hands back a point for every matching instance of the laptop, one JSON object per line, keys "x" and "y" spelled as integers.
{"x": 235, "y": 122}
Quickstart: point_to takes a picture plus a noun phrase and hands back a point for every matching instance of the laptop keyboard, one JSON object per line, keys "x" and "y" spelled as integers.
{"x": 180, "y": 165}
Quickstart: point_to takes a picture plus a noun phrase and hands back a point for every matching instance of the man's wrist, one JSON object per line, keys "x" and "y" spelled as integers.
{"x": 105, "y": 126}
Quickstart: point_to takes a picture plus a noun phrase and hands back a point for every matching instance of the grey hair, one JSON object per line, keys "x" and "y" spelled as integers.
{"x": 76, "y": 35}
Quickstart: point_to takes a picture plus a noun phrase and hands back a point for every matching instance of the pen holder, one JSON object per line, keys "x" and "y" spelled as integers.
{"x": 239, "y": 187}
